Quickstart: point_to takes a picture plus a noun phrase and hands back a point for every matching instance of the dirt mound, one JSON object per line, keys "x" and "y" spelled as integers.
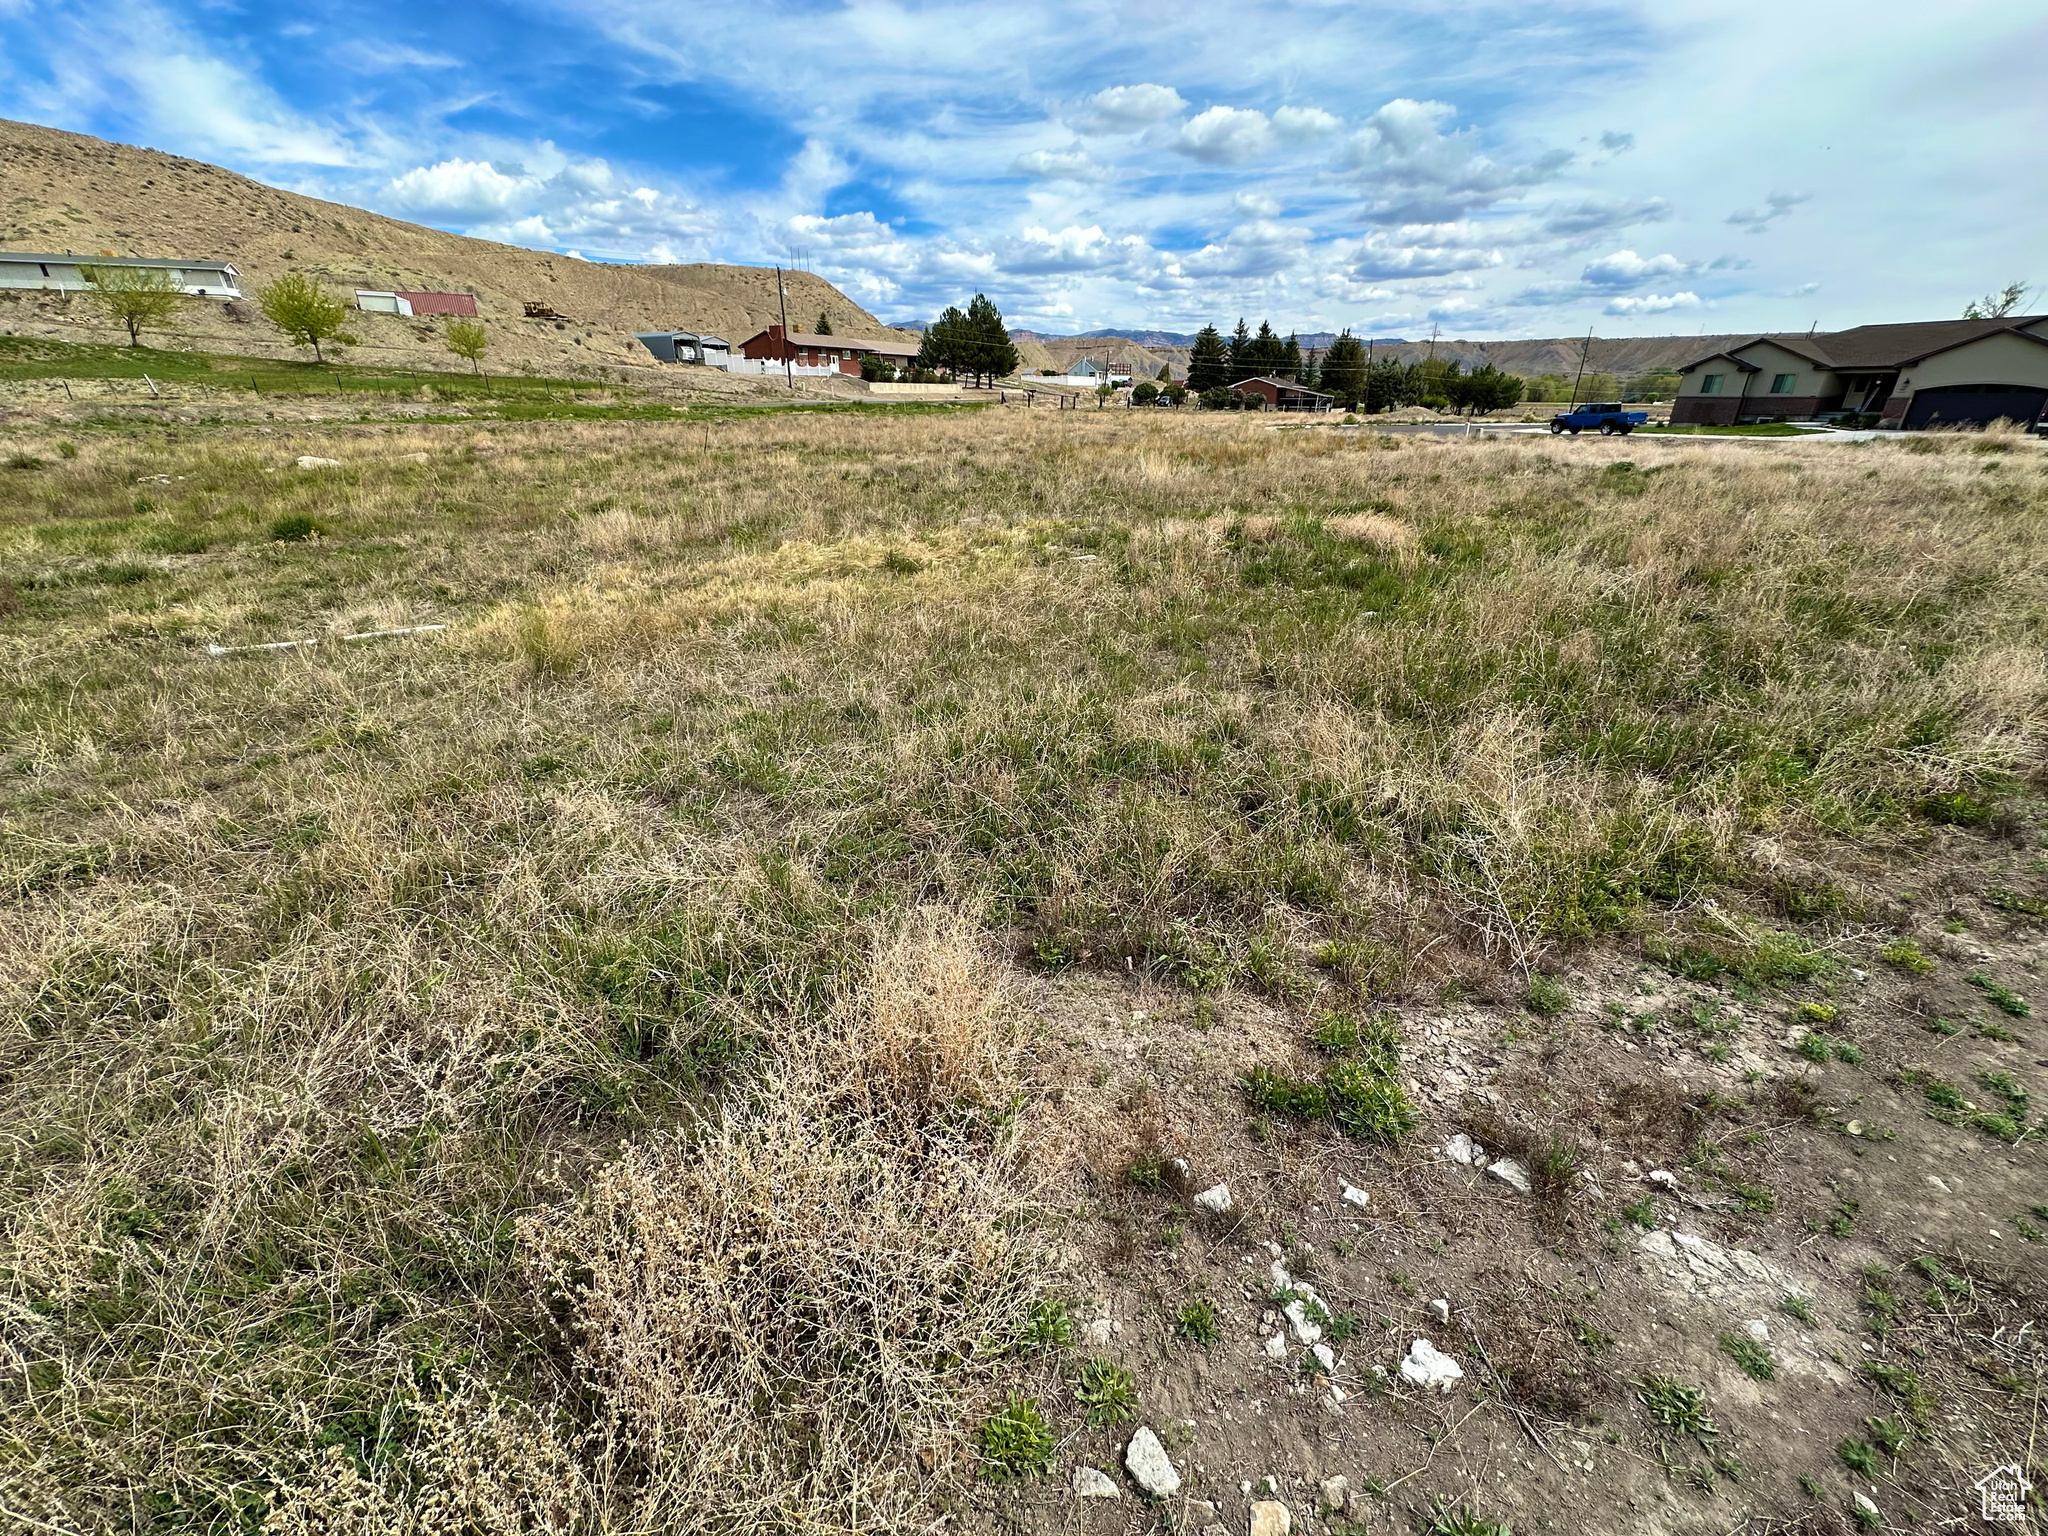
{"x": 67, "y": 192}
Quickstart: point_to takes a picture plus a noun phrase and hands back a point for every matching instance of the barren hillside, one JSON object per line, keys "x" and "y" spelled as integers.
{"x": 66, "y": 192}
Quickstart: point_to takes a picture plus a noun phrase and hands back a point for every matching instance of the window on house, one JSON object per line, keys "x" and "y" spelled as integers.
{"x": 1781, "y": 384}
{"x": 1710, "y": 384}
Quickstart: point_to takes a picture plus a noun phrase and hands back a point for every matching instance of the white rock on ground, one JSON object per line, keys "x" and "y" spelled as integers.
{"x": 1326, "y": 1357}
{"x": 314, "y": 461}
{"x": 1512, "y": 1174}
{"x": 1276, "y": 1347}
{"x": 1097, "y": 1333}
{"x": 1092, "y": 1484}
{"x": 1430, "y": 1368}
{"x": 1201, "y": 1512}
{"x": 1464, "y": 1150}
{"x": 1864, "y": 1504}
{"x": 1335, "y": 1490}
{"x": 1306, "y": 1329}
{"x": 1217, "y": 1199}
{"x": 1150, "y": 1465}
{"x": 1440, "y": 1309}
{"x": 1758, "y": 1329}
{"x": 1271, "y": 1518}
{"x": 1663, "y": 1178}
{"x": 1353, "y": 1195}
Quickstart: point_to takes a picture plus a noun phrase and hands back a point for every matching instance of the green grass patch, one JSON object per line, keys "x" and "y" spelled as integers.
{"x": 1015, "y": 1442}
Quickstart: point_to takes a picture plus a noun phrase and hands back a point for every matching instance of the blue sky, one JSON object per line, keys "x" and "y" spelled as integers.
{"x": 1498, "y": 170}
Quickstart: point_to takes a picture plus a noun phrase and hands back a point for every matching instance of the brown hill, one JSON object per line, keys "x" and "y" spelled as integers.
{"x": 66, "y": 192}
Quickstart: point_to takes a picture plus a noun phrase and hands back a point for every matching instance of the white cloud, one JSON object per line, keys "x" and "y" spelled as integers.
{"x": 1776, "y": 206}
{"x": 1414, "y": 172}
{"x": 1653, "y": 303}
{"x": 1423, "y": 250}
{"x": 1127, "y": 108}
{"x": 1259, "y": 249}
{"x": 1625, "y": 269}
{"x": 1259, "y": 205}
{"x": 1058, "y": 165}
{"x": 473, "y": 187}
{"x": 1226, "y": 136}
{"x": 1305, "y": 122}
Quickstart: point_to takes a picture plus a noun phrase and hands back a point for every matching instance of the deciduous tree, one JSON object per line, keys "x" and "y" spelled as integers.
{"x": 305, "y": 312}
{"x": 134, "y": 297}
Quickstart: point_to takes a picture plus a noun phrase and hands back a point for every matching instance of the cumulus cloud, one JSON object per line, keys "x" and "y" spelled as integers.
{"x": 471, "y": 187}
{"x": 1594, "y": 216}
{"x": 1058, "y": 165}
{"x": 1423, "y": 250}
{"x": 1260, "y": 248}
{"x": 1127, "y": 108}
{"x": 1414, "y": 172}
{"x": 1305, "y": 122}
{"x": 1776, "y": 206}
{"x": 1259, "y": 205}
{"x": 1226, "y": 136}
{"x": 584, "y": 201}
{"x": 1653, "y": 303}
{"x": 1625, "y": 269}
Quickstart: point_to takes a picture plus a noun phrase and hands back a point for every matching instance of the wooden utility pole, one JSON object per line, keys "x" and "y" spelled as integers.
{"x": 1584, "y": 352}
{"x": 788, "y": 352}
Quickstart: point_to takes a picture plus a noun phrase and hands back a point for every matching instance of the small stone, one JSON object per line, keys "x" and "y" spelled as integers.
{"x": 1934, "y": 1181}
{"x": 1201, "y": 1512}
{"x": 1758, "y": 1329}
{"x": 1353, "y": 1195}
{"x": 1217, "y": 1199}
{"x": 1860, "y": 976}
{"x": 1098, "y": 1332}
{"x": 1334, "y": 1491}
{"x": 1864, "y": 1504}
{"x": 1326, "y": 1357}
{"x": 1430, "y": 1368}
{"x": 1092, "y": 1484}
{"x": 1663, "y": 1178}
{"x": 1270, "y": 1518}
{"x": 1306, "y": 1329}
{"x": 314, "y": 461}
{"x": 1150, "y": 1465}
{"x": 1440, "y": 1309}
{"x": 1245, "y": 1487}
{"x": 1463, "y": 1150}
{"x": 1217, "y": 1529}
{"x": 1276, "y": 1347}
{"x": 1512, "y": 1174}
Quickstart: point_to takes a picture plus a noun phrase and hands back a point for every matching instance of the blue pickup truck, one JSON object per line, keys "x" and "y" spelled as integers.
{"x": 1609, "y": 418}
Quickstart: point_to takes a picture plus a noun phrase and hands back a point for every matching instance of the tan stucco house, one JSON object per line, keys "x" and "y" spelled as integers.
{"x": 1925, "y": 374}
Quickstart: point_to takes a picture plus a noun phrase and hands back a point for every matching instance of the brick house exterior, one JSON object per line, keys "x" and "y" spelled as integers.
{"x": 1285, "y": 394}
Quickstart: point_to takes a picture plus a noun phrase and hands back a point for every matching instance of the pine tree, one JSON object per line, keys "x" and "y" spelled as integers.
{"x": 994, "y": 355}
{"x": 1344, "y": 369}
{"x": 1291, "y": 362}
{"x": 1240, "y": 353}
{"x": 1208, "y": 362}
{"x": 824, "y": 324}
{"x": 945, "y": 343}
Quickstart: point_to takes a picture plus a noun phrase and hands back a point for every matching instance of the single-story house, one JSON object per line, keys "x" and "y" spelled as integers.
{"x": 1920, "y": 374}
{"x": 373, "y": 302}
{"x": 201, "y": 279}
{"x": 841, "y": 352}
{"x": 686, "y": 347}
{"x": 1285, "y": 394}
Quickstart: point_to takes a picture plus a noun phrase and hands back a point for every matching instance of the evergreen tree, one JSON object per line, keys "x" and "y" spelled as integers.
{"x": 1390, "y": 383}
{"x": 1344, "y": 369}
{"x": 945, "y": 343}
{"x": 1311, "y": 370}
{"x": 824, "y": 324}
{"x": 1263, "y": 357}
{"x": 1165, "y": 374}
{"x": 994, "y": 356}
{"x": 1240, "y": 352}
{"x": 1208, "y": 363}
{"x": 1290, "y": 360}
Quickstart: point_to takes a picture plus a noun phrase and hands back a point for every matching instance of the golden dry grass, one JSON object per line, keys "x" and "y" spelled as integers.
{"x": 549, "y": 1067}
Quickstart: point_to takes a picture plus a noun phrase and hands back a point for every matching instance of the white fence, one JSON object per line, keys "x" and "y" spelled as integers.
{"x": 767, "y": 366}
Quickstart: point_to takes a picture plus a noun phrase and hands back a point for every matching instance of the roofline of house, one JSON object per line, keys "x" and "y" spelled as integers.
{"x": 1267, "y": 378}
{"x": 72, "y": 258}
{"x": 2017, "y": 328}
{"x": 1741, "y": 362}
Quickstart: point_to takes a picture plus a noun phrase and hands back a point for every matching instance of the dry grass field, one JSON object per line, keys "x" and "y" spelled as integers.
{"x": 724, "y": 1035}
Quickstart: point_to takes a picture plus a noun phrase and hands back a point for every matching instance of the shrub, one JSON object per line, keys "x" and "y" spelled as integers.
{"x": 1546, "y": 995}
{"x": 293, "y": 528}
{"x": 1144, "y": 392}
{"x": 1907, "y": 956}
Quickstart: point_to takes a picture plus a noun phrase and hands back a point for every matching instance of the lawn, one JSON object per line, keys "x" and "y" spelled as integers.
{"x": 570, "y": 1058}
